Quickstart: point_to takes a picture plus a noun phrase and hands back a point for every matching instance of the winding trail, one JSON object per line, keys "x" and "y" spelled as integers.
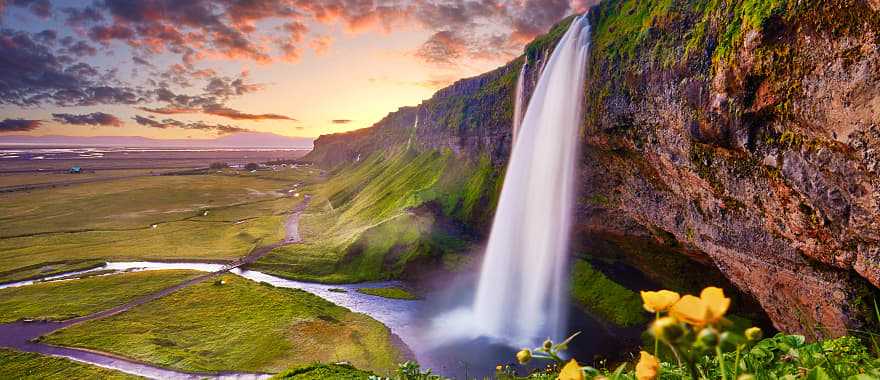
{"x": 23, "y": 336}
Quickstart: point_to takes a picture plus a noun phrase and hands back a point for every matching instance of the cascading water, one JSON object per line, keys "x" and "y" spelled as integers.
{"x": 518, "y": 102}
{"x": 521, "y": 295}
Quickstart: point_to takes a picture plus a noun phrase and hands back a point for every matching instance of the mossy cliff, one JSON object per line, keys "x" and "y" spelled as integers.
{"x": 737, "y": 137}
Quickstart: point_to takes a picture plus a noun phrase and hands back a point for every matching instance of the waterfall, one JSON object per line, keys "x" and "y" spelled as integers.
{"x": 522, "y": 291}
{"x": 518, "y": 102}
{"x": 415, "y": 127}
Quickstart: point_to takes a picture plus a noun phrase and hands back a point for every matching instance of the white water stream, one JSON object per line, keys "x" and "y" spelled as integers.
{"x": 521, "y": 294}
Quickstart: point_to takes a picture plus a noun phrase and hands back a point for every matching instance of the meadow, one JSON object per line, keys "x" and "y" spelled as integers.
{"x": 220, "y": 215}
{"x": 60, "y": 300}
{"x": 37, "y": 178}
{"x": 240, "y": 325}
{"x": 30, "y": 366}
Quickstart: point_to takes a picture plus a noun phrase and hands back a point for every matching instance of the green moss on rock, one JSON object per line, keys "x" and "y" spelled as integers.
{"x": 604, "y": 298}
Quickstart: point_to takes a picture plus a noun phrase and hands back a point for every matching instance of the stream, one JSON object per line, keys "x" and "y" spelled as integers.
{"x": 397, "y": 315}
{"x": 412, "y": 321}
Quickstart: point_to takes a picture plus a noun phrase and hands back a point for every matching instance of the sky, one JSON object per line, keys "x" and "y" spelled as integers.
{"x": 200, "y": 68}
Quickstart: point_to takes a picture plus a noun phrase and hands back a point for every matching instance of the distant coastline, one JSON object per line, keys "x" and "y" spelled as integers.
{"x": 236, "y": 141}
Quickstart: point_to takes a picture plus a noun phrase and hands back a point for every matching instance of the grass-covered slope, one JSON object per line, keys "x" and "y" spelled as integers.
{"x": 67, "y": 299}
{"x": 29, "y": 366}
{"x": 387, "y": 214}
{"x": 238, "y": 326}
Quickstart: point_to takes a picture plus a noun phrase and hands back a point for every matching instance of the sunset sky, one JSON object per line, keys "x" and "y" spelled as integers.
{"x": 198, "y": 68}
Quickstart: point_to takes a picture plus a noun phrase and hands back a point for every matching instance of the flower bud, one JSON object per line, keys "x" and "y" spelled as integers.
{"x": 708, "y": 337}
{"x": 667, "y": 329}
{"x": 523, "y": 356}
{"x": 548, "y": 344}
{"x": 754, "y": 334}
{"x": 499, "y": 368}
{"x": 731, "y": 339}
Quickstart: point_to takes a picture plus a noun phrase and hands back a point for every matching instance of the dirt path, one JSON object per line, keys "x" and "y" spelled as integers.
{"x": 23, "y": 336}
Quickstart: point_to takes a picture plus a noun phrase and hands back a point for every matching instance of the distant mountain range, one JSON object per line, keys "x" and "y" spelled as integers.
{"x": 236, "y": 140}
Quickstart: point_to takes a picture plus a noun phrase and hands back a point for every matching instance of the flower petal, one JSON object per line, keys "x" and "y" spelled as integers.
{"x": 571, "y": 371}
{"x": 659, "y": 301}
{"x": 716, "y": 302}
{"x": 690, "y": 310}
{"x": 648, "y": 367}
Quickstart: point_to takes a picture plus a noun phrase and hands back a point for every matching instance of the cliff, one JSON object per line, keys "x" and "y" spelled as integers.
{"x": 741, "y": 135}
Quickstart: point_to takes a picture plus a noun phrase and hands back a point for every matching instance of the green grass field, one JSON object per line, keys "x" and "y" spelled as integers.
{"x": 30, "y": 366}
{"x": 67, "y": 299}
{"x": 127, "y": 204}
{"x": 390, "y": 292}
{"x": 18, "y": 179}
{"x": 241, "y": 326}
{"x": 49, "y": 231}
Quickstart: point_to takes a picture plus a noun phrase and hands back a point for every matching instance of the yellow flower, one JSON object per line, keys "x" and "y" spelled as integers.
{"x": 648, "y": 367}
{"x": 571, "y": 371}
{"x": 659, "y": 301}
{"x": 523, "y": 356}
{"x": 708, "y": 309}
{"x": 690, "y": 310}
{"x": 716, "y": 302}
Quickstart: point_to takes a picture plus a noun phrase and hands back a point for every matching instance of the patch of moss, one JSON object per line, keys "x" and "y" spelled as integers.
{"x": 389, "y": 292}
{"x": 599, "y": 295}
{"x": 624, "y": 25}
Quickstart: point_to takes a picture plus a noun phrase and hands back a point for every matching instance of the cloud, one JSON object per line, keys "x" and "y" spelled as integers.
{"x": 197, "y": 29}
{"x": 40, "y": 8}
{"x": 169, "y": 110}
{"x": 32, "y": 74}
{"x": 238, "y": 115}
{"x": 76, "y": 17}
{"x": 19, "y": 125}
{"x": 217, "y": 110}
{"x": 80, "y": 49}
{"x": 225, "y": 87}
{"x": 96, "y": 118}
{"x": 321, "y": 44}
{"x": 341, "y": 121}
{"x": 444, "y": 47}
{"x": 198, "y": 125}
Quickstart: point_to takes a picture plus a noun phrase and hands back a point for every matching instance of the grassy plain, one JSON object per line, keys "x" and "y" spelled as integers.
{"x": 68, "y": 299}
{"x": 127, "y": 204}
{"x": 30, "y": 366}
{"x": 34, "y": 178}
{"x": 242, "y": 326}
{"x": 54, "y": 230}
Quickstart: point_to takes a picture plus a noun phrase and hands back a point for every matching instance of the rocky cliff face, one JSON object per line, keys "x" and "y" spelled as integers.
{"x": 739, "y": 134}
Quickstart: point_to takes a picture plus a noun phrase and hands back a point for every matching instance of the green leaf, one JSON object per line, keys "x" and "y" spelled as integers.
{"x": 618, "y": 372}
{"x": 818, "y": 373}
